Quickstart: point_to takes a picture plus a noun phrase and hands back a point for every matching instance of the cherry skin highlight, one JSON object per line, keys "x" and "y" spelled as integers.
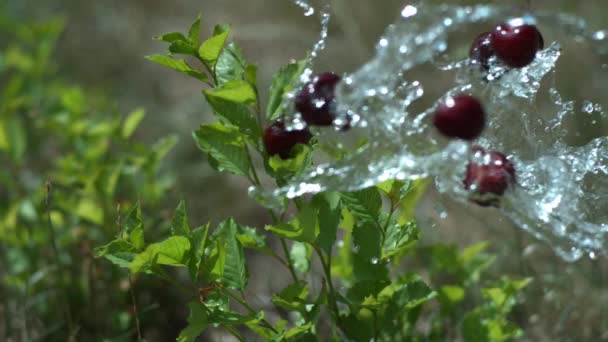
{"x": 316, "y": 100}
{"x": 516, "y": 46}
{"x": 491, "y": 176}
{"x": 481, "y": 50}
{"x": 461, "y": 116}
{"x": 278, "y": 140}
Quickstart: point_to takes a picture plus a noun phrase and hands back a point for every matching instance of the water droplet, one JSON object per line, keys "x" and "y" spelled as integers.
{"x": 374, "y": 261}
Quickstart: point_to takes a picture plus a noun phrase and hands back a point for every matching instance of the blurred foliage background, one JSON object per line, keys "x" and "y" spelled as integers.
{"x": 102, "y": 49}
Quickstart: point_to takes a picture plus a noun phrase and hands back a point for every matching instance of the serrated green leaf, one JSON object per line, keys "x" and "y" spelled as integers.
{"x": 131, "y": 122}
{"x": 407, "y": 292}
{"x": 198, "y": 241}
{"x": 329, "y": 219}
{"x": 178, "y": 65}
{"x": 179, "y": 223}
{"x": 171, "y": 37}
{"x": 236, "y": 114}
{"x": 367, "y": 264}
{"x": 174, "y": 251}
{"x": 119, "y": 252}
{"x": 400, "y": 238}
{"x": 235, "y": 274}
{"x": 231, "y": 65}
{"x": 365, "y": 204}
{"x": 410, "y": 200}
{"x": 237, "y": 91}
{"x": 281, "y": 84}
{"x": 227, "y": 147}
{"x": 194, "y": 31}
{"x": 210, "y": 50}
{"x": 251, "y": 238}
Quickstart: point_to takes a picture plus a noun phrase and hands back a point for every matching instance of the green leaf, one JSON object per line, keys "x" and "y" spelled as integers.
{"x": 179, "y": 223}
{"x": 171, "y": 37}
{"x": 194, "y": 31}
{"x": 178, "y": 65}
{"x": 231, "y": 66}
{"x": 226, "y": 145}
{"x": 89, "y": 209}
{"x": 407, "y": 292}
{"x": 251, "y": 238}
{"x": 133, "y": 228}
{"x": 119, "y": 252}
{"x": 473, "y": 329}
{"x": 198, "y": 241}
{"x": 183, "y": 48}
{"x": 294, "y": 332}
{"x": 303, "y": 228}
{"x": 451, "y": 294}
{"x": 300, "y": 159}
{"x": 300, "y": 256}
{"x": 236, "y": 114}
{"x": 197, "y": 322}
{"x": 281, "y": 84}
{"x": 210, "y": 50}
{"x": 237, "y": 91}
{"x": 329, "y": 219}
{"x": 251, "y": 74}
{"x": 235, "y": 274}
{"x": 367, "y": 264}
{"x": 17, "y": 138}
{"x": 365, "y": 204}
{"x": 400, "y": 238}
{"x": 174, "y": 251}
{"x": 293, "y": 297}
{"x": 410, "y": 200}
{"x": 131, "y": 122}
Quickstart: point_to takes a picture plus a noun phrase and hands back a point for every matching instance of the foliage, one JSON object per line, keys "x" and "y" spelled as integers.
{"x": 360, "y": 239}
{"x": 68, "y": 161}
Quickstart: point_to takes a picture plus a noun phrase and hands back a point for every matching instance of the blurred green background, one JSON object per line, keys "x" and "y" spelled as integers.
{"x": 102, "y": 49}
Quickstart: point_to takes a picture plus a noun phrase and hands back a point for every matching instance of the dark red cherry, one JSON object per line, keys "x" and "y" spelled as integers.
{"x": 488, "y": 176}
{"x": 278, "y": 140}
{"x": 461, "y": 116}
{"x": 481, "y": 50}
{"x": 316, "y": 100}
{"x": 516, "y": 46}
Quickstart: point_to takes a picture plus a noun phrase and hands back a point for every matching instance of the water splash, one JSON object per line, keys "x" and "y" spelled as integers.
{"x": 561, "y": 196}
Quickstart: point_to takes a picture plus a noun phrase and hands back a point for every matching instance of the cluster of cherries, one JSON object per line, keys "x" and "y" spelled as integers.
{"x": 489, "y": 173}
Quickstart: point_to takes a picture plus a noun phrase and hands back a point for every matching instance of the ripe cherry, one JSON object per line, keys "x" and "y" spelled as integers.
{"x": 516, "y": 45}
{"x": 488, "y": 176}
{"x": 461, "y": 116}
{"x": 316, "y": 101}
{"x": 278, "y": 140}
{"x": 481, "y": 50}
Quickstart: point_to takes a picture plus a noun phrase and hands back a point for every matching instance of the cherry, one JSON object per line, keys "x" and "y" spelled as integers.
{"x": 278, "y": 140}
{"x": 316, "y": 100}
{"x": 481, "y": 50}
{"x": 491, "y": 175}
{"x": 516, "y": 45}
{"x": 461, "y": 116}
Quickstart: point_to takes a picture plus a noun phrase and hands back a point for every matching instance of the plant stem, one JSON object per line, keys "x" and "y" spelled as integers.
{"x": 135, "y": 312}
{"x": 249, "y": 308}
{"x": 66, "y": 308}
{"x": 234, "y": 333}
{"x": 332, "y": 292}
{"x": 292, "y": 270}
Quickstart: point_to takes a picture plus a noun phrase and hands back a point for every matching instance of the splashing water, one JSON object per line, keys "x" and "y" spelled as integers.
{"x": 562, "y": 191}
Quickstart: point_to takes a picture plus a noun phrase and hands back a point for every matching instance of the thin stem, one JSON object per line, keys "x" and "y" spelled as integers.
{"x": 249, "y": 308}
{"x": 66, "y": 308}
{"x": 234, "y": 333}
{"x": 135, "y": 312}
{"x": 332, "y": 292}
